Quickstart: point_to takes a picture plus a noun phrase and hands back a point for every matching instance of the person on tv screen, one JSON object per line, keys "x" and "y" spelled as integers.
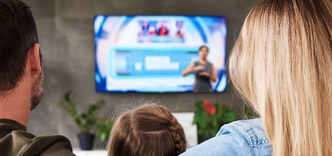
{"x": 145, "y": 29}
{"x": 204, "y": 72}
{"x": 179, "y": 32}
{"x": 163, "y": 30}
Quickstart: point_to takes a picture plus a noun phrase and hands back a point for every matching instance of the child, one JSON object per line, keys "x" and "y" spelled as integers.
{"x": 149, "y": 130}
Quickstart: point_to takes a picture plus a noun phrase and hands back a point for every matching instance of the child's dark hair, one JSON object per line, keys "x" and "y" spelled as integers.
{"x": 149, "y": 130}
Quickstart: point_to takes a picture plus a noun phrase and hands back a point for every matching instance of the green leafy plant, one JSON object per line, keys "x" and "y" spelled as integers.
{"x": 248, "y": 113}
{"x": 103, "y": 128}
{"x": 209, "y": 118}
{"x": 86, "y": 120}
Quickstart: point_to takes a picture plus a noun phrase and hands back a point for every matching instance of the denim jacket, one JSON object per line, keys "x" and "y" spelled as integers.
{"x": 240, "y": 138}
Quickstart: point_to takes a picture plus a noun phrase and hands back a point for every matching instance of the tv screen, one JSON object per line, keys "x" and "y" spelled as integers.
{"x": 149, "y": 53}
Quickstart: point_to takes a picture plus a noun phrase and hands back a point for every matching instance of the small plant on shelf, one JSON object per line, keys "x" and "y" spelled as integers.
{"x": 209, "y": 118}
{"x": 103, "y": 128}
{"x": 85, "y": 121}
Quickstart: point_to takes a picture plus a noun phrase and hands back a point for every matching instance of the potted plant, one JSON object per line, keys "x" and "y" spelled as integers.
{"x": 103, "y": 128}
{"x": 209, "y": 118}
{"x": 85, "y": 121}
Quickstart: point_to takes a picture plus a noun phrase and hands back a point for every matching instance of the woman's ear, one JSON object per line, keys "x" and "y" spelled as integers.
{"x": 34, "y": 60}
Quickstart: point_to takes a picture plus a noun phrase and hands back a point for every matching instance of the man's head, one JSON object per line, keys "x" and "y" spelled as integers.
{"x": 20, "y": 56}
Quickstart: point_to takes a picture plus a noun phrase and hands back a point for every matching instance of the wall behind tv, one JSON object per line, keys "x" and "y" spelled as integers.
{"x": 66, "y": 37}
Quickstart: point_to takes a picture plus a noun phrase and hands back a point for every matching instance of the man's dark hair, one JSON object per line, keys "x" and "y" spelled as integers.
{"x": 203, "y": 46}
{"x": 18, "y": 33}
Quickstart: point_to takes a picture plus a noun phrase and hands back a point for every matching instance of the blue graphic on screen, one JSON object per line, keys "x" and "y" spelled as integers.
{"x": 149, "y": 53}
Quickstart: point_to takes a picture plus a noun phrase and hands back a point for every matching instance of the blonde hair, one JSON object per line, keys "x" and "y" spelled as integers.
{"x": 282, "y": 66}
{"x": 149, "y": 130}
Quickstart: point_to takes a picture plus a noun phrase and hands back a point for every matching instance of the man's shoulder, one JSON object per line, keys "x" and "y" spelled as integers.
{"x": 21, "y": 143}
{"x": 50, "y": 145}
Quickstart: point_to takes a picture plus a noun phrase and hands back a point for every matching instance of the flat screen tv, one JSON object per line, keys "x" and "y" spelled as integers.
{"x": 149, "y": 53}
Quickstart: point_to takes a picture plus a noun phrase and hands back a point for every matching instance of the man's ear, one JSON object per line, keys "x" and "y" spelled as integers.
{"x": 34, "y": 60}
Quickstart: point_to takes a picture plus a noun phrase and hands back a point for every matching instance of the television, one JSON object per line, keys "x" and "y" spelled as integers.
{"x": 148, "y": 53}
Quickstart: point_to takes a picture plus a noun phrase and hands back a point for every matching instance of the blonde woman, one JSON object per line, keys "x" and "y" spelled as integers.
{"x": 282, "y": 66}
